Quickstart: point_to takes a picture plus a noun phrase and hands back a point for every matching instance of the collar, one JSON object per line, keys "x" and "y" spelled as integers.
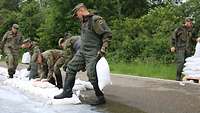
{"x": 86, "y": 18}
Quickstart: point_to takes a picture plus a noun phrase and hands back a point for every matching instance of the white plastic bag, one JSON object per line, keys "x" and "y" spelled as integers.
{"x": 26, "y": 58}
{"x": 103, "y": 73}
{"x": 197, "y": 50}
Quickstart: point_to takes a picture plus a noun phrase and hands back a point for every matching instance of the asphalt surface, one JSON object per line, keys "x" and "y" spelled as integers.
{"x": 132, "y": 94}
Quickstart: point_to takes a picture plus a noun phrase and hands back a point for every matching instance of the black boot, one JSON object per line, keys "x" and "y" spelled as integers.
{"x": 10, "y": 76}
{"x": 59, "y": 86}
{"x": 11, "y": 72}
{"x": 59, "y": 80}
{"x": 62, "y": 95}
{"x": 100, "y": 100}
{"x": 67, "y": 90}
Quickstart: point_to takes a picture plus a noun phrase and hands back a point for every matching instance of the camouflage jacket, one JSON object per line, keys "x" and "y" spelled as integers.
{"x": 51, "y": 56}
{"x": 94, "y": 33}
{"x": 183, "y": 38}
{"x": 11, "y": 41}
{"x": 34, "y": 51}
{"x": 71, "y": 46}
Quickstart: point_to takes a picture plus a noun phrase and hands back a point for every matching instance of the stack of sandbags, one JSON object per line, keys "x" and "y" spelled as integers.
{"x": 192, "y": 65}
{"x": 43, "y": 88}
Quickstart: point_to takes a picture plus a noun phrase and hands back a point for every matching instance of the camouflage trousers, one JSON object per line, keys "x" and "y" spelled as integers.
{"x": 46, "y": 73}
{"x": 33, "y": 67}
{"x": 79, "y": 62}
{"x": 11, "y": 60}
{"x": 181, "y": 55}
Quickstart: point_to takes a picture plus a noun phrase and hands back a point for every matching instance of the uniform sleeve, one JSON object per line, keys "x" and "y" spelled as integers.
{"x": 101, "y": 28}
{"x": 50, "y": 65}
{"x": 173, "y": 38}
{"x": 3, "y": 40}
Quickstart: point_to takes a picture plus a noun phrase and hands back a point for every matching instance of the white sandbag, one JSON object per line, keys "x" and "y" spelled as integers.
{"x": 73, "y": 100}
{"x": 26, "y": 58}
{"x": 3, "y": 71}
{"x": 86, "y": 84}
{"x": 103, "y": 73}
{"x": 188, "y": 73}
{"x": 189, "y": 64}
{"x": 42, "y": 84}
{"x": 192, "y": 59}
{"x": 22, "y": 74}
{"x": 79, "y": 87}
{"x": 197, "y": 50}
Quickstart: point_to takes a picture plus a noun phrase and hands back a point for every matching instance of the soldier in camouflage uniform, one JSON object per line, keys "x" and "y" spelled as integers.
{"x": 95, "y": 37}
{"x": 11, "y": 43}
{"x": 34, "y": 50}
{"x": 52, "y": 61}
{"x": 181, "y": 43}
{"x": 70, "y": 46}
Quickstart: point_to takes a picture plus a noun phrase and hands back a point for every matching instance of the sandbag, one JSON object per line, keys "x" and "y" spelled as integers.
{"x": 197, "y": 50}
{"x": 103, "y": 73}
{"x": 26, "y": 58}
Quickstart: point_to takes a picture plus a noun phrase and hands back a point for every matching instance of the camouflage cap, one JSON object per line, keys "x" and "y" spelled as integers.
{"x": 188, "y": 19}
{"x": 60, "y": 41}
{"x": 26, "y": 40}
{"x": 67, "y": 35}
{"x": 76, "y": 8}
{"x": 16, "y": 26}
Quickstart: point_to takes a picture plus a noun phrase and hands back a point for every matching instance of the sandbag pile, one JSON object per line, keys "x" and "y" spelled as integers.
{"x": 43, "y": 88}
{"x": 192, "y": 65}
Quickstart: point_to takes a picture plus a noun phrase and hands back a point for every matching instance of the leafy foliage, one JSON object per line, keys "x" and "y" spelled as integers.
{"x": 141, "y": 29}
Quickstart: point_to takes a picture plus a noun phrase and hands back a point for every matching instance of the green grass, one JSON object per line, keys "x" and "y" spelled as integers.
{"x": 163, "y": 71}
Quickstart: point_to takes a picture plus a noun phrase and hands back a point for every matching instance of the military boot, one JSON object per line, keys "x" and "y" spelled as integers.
{"x": 100, "y": 100}
{"x": 11, "y": 72}
{"x": 10, "y": 76}
{"x": 67, "y": 90}
{"x": 59, "y": 80}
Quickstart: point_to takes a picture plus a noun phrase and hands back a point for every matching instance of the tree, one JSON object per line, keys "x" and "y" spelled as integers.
{"x": 30, "y": 18}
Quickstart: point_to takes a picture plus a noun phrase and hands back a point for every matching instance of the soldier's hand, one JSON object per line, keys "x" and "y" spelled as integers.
{"x": 100, "y": 54}
{"x": 173, "y": 49}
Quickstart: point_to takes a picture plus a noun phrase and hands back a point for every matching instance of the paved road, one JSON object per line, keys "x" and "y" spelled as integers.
{"x": 131, "y": 94}
{"x": 155, "y": 95}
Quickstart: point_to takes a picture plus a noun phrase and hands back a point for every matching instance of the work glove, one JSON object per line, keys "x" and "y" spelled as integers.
{"x": 102, "y": 52}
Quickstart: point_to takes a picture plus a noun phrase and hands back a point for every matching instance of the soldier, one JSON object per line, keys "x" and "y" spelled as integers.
{"x": 181, "y": 43}
{"x": 51, "y": 62}
{"x": 34, "y": 50}
{"x": 11, "y": 43}
{"x": 95, "y": 37}
{"x": 70, "y": 46}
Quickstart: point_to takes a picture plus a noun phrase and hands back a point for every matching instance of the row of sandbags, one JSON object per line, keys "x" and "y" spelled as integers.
{"x": 192, "y": 65}
{"x": 47, "y": 90}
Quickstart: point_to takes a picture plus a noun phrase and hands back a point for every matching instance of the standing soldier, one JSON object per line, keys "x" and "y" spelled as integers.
{"x": 11, "y": 43}
{"x": 95, "y": 36}
{"x": 70, "y": 46}
{"x": 50, "y": 63}
{"x": 34, "y": 50}
{"x": 181, "y": 43}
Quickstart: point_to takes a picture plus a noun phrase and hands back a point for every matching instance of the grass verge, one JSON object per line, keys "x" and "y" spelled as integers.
{"x": 154, "y": 70}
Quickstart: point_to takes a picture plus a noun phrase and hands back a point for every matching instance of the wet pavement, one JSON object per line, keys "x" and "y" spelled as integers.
{"x": 128, "y": 94}
{"x": 12, "y": 100}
